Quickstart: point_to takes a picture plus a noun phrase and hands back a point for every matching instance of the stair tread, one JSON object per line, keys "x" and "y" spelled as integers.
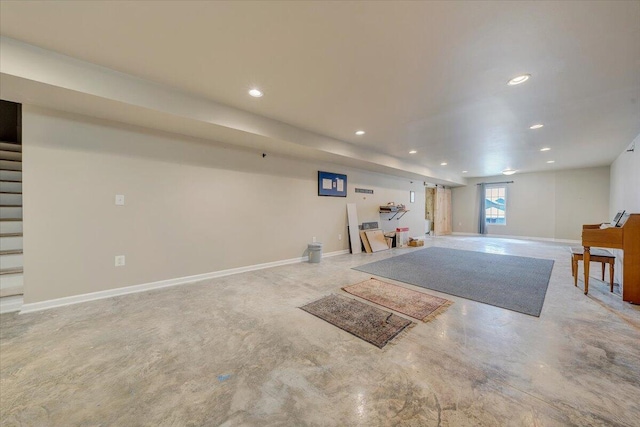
{"x": 11, "y": 160}
{"x": 10, "y": 180}
{"x": 10, "y": 192}
{"x": 15, "y": 149}
{"x": 12, "y": 270}
{"x": 10, "y": 219}
{"x": 12, "y": 291}
{"x": 10, "y": 206}
{"x": 11, "y": 235}
{"x": 11, "y": 252}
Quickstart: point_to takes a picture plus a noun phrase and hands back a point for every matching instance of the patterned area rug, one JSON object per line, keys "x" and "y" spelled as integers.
{"x": 418, "y": 305}
{"x": 369, "y": 323}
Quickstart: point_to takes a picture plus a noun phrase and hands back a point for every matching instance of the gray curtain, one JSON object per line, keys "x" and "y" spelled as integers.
{"x": 482, "y": 220}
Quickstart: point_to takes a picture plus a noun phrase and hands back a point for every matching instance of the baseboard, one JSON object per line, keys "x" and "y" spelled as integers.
{"x": 504, "y": 236}
{"x": 77, "y": 299}
{"x": 330, "y": 254}
{"x": 10, "y": 304}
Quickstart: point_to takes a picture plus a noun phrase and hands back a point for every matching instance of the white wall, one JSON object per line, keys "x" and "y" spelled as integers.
{"x": 625, "y": 180}
{"x": 192, "y": 206}
{"x": 551, "y": 205}
{"x": 625, "y": 190}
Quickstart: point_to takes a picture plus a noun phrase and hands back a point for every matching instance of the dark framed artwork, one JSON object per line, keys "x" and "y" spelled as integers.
{"x": 332, "y": 184}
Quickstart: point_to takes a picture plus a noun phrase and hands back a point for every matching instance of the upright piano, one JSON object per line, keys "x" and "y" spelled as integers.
{"x": 626, "y": 238}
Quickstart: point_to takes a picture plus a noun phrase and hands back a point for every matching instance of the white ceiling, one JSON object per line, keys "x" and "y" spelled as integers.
{"x": 429, "y": 76}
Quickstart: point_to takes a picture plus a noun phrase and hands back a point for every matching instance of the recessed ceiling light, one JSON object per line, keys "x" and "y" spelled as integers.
{"x": 518, "y": 79}
{"x": 465, "y": 171}
{"x": 443, "y": 164}
{"x": 551, "y": 161}
{"x": 508, "y": 172}
{"x": 538, "y": 126}
{"x": 359, "y": 132}
{"x": 412, "y": 152}
{"x": 545, "y": 149}
{"x": 256, "y": 93}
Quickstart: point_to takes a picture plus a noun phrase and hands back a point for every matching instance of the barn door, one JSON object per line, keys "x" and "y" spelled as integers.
{"x": 442, "y": 222}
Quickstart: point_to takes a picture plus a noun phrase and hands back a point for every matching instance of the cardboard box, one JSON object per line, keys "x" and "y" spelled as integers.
{"x": 416, "y": 243}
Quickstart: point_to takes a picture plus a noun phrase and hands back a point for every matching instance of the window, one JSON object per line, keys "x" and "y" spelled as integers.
{"x": 495, "y": 205}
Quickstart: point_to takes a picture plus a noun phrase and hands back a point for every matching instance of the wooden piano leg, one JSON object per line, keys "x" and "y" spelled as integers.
{"x": 611, "y": 275}
{"x": 603, "y": 271}
{"x": 573, "y": 267}
{"x": 587, "y": 261}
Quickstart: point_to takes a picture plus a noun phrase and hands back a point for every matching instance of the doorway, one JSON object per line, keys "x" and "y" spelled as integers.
{"x": 11, "y": 272}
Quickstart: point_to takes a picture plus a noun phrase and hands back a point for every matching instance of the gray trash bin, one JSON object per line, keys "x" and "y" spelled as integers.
{"x": 315, "y": 252}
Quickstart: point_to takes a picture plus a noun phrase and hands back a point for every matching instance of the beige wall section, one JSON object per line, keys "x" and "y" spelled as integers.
{"x": 192, "y": 206}
{"x": 550, "y": 205}
{"x": 582, "y": 197}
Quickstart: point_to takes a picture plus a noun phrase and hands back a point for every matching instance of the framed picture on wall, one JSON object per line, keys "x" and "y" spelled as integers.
{"x": 332, "y": 184}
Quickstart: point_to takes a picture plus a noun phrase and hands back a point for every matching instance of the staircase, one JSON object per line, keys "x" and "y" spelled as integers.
{"x": 10, "y": 226}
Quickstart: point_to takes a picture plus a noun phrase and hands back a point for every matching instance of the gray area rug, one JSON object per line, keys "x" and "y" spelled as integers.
{"x": 512, "y": 282}
{"x": 369, "y": 323}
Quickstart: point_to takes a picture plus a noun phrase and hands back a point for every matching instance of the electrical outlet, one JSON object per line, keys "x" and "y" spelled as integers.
{"x": 120, "y": 260}
{"x": 119, "y": 199}
{"x": 339, "y": 236}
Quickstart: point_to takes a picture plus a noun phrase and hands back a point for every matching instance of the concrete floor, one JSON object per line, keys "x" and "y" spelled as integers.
{"x": 236, "y": 351}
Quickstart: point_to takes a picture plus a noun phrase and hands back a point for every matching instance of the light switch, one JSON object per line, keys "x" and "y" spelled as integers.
{"x": 120, "y": 261}
{"x": 120, "y": 199}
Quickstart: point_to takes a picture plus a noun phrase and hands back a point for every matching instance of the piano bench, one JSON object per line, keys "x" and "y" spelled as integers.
{"x": 597, "y": 255}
